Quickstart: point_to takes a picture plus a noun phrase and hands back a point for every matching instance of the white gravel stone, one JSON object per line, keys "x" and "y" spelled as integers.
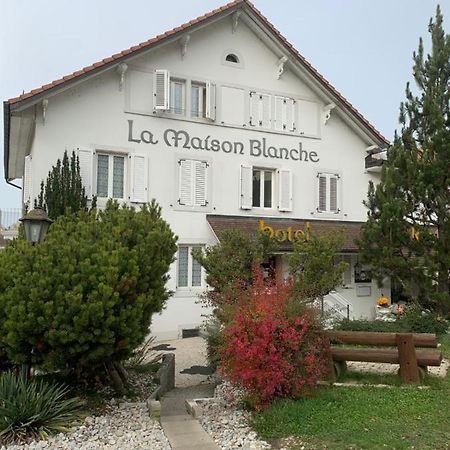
{"x": 227, "y": 424}
{"x": 125, "y": 427}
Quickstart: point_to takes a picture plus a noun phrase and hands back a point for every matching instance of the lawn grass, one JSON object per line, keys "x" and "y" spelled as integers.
{"x": 366, "y": 417}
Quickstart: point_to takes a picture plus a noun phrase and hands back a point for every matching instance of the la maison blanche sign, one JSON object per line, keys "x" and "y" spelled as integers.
{"x": 255, "y": 147}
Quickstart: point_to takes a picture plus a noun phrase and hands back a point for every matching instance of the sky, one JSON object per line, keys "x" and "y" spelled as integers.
{"x": 363, "y": 47}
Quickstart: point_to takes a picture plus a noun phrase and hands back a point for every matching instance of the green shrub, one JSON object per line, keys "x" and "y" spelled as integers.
{"x": 412, "y": 321}
{"x": 313, "y": 266}
{"x": 214, "y": 339}
{"x": 416, "y": 321}
{"x": 34, "y": 408}
{"x": 83, "y": 298}
{"x": 368, "y": 325}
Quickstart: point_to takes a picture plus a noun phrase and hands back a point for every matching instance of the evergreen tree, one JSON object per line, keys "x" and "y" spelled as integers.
{"x": 82, "y": 300}
{"x": 407, "y": 235}
{"x": 63, "y": 190}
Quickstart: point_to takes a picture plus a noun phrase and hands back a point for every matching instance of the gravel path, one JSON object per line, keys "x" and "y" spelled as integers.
{"x": 124, "y": 426}
{"x": 227, "y": 424}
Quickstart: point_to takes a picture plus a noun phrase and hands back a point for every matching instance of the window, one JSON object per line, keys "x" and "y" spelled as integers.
{"x": 170, "y": 94}
{"x": 110, "y": 176}
{"x": 328, "y": 186}
{"x": 198, "y": 100}
{"x": 177, "y": 96}
{"x": 259, "y": 187}
{"x": 232, "y": 58}
{"x": 189, "y": 270}
{"x": 262, "y": 188}
{"x": 192, "y": 183}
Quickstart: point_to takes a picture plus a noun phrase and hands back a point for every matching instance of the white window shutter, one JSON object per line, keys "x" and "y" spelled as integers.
{"x": 185, "y": 182}
{"x": 161, "y": 90}
{"x": 86, "y": 159}
{"x": 290, "y": 114}
{"x": 280, "y": 123}
{"x": 334, "y": 193}
{"x": 308, "y": 122}
{"x": 246, "y": 187}
{"x": 254, "y": 109}
{"x": 210, "y": 101}
{"x": 285, "y": 190}
{"x": 322, "y": 192}
{"x": 139, "y": 178}
{"x": 200, "y": 190}
{"x": 28, "y": 182}
{"x": 265, "y": 111}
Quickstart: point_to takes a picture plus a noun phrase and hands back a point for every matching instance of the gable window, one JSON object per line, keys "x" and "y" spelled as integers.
{"x": 198, "y": 100}
{"x": 232, "y": 58}
{"x": 192, "y": 183}
{"x": 110, "y": 176}
{"x": 262, "y": 188}
{"x": 173, "y": 95}
{"x": 189, "y": 270}
{"x": 328, "y": 190}
{"x": 177, "y": 96}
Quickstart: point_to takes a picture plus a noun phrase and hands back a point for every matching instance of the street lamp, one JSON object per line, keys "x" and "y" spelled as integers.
{"x": 36, "y": 224}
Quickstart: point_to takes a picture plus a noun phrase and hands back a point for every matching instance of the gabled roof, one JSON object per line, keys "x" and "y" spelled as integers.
{"x": 41, "y": 92}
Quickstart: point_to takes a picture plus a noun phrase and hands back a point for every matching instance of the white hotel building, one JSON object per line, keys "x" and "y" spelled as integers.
{"x": 226, "y": 125}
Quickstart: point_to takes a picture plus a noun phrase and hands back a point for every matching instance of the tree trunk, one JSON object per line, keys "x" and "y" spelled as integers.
{"x": 115, "y": 378}
{"x": 443, "y": 306}
{"x": 121, "y": 371}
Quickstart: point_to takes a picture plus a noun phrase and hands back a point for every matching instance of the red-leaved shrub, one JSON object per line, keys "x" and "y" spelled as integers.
{"x": 273, "y": 346}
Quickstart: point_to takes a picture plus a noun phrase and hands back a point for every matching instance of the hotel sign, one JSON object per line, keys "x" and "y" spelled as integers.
{"x": 173, "y": 138}
{"x": 286, "y": 234}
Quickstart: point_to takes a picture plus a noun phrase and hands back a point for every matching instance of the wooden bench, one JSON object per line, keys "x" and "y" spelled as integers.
{"x": 413, "y": 362}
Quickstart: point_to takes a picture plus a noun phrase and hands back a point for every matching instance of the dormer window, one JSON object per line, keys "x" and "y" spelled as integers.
{"x": 232, "y": 58}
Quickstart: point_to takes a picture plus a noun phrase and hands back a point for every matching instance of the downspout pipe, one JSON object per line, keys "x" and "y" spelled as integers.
{"x": 6, "y": 132}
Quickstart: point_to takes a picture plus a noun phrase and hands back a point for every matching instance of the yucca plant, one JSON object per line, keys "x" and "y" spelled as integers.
{"x": 34, "y": 408}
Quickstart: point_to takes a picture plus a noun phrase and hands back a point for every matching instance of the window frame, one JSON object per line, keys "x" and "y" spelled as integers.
{"x": 190, "y": 264}
{"x": 172, "y": 109}
{"x": 201, "y": 102}
{"x": 111, "y": 156}
{"x": 263, "y": 170}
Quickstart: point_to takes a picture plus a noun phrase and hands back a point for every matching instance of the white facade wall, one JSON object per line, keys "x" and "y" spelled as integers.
{"x": 95, "y": 115}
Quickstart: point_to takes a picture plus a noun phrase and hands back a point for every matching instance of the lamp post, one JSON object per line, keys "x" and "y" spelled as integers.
{"x": 36, "y": 224}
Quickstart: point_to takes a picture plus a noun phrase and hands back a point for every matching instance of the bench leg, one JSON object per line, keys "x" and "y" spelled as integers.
{"x": 409, "y": 370}
{"x": 340, "y": 367}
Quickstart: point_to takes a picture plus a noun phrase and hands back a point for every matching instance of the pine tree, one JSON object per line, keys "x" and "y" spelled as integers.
{"x": 407, "y": 235}
{"x": 82, "y": 300}
{"x": 63, "y": 190}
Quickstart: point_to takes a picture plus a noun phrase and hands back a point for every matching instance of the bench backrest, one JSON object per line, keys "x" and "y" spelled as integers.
{"x": 379, "y": 338}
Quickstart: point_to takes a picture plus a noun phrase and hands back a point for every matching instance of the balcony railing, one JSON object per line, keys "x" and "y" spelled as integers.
{"x": 372, "y": 164}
